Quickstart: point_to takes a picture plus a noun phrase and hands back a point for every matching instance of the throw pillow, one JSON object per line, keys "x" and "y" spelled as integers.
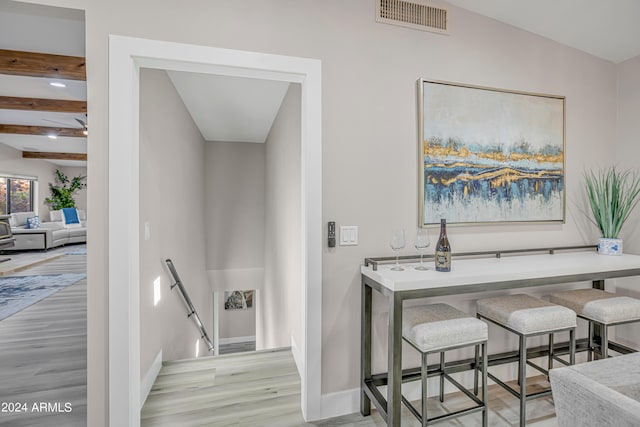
{"x": 33, "y": 223}
{"x": 70, "y": 217}
{"x": 55, "y": 216}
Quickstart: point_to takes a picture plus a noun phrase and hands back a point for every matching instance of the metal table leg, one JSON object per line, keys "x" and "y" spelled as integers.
{"x": 365, "y": 347}
{"x": 394, "y": 385}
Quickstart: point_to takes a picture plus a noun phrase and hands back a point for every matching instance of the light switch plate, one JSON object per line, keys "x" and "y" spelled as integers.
{"x": 348, "y": 235}
{"x": 147, "y": 231}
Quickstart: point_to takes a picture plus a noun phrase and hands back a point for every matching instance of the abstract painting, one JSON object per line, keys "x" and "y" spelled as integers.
{"x": 490, "y": 155}
{"x": 238, "y": 300}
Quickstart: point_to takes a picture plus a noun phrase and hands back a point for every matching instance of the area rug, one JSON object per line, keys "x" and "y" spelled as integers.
{"x": 81, "y": 251}
{"x": 19, "y": 292}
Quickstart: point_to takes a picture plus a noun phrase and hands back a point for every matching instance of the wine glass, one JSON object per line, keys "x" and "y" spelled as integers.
{"x": 397, "y": 243}
{"x": 422, "y": 243}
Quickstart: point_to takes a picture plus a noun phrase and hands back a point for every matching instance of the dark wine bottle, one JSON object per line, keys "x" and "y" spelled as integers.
{"x": 443, "y": 249}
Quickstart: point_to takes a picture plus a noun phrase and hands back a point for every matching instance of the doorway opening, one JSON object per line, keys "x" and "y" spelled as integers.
{"x": 126, "y": 57}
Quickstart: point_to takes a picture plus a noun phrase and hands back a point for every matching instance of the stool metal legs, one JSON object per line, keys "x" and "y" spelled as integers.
{"x": 590, "y": 345}
{"x": 551, "y": 355}
{"x": 522, "y": 376}
{"x": 475, "y": 373}
{"x": 521, "y": 391}
{"x": 481, "y": 404}
{"x": 604, "y": 341}
{"x": 572, "y": 347}
{"x": 425, "y": 376}
{"x": 485, "y": 395}
{"x": 442, "y": 376}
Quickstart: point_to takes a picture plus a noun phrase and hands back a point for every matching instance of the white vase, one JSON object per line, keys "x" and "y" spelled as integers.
{"x": 609, "y": 246}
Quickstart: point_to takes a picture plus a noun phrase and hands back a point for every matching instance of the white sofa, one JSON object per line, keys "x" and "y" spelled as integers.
{"x": 49, "y": 235}
{"x": 603, "y": 393}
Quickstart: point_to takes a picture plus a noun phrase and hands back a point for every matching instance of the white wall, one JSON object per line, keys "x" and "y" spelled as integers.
{"x": 627, "y": 154}
{"x": 172, "y": 202}
{"x": 369, "y": 130}
{"x": 81, "y": 196}
{"x": 236, "y": 325}
{"x": 234, "y": 227}
{"x": 628, "y": 136}
{"x": 234, "y": 185}
{"x": 37, "y": 29}
{"x": 279, "y": 311}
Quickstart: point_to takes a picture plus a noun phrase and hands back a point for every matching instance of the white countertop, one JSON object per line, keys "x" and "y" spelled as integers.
{"x": 506, "y": 268}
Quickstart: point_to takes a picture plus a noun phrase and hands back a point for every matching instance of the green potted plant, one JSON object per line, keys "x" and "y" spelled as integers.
{"x": 62, "y": 192}
{"x": 612, "y": 196}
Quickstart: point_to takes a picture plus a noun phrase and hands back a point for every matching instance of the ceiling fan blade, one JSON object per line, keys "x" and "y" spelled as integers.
{"x": 60, "y": 123}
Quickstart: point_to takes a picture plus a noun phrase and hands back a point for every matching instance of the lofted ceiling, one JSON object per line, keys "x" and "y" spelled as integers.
{"x": 232, "y": 109}
{"x": 604, "y": 28}
{"x": 27, "y": 115}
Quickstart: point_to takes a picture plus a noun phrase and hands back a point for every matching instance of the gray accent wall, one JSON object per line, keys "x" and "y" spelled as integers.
{"x": 172, "y": 202}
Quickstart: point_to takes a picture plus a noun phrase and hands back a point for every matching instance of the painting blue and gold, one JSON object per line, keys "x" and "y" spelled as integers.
{"x": 490, "y": 155}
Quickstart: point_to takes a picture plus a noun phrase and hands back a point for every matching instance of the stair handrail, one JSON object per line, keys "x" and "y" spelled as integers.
{"x": 190, "y": 307}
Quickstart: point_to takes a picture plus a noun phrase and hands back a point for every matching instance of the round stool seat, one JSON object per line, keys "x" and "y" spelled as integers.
{"x": 439, "y": 326}
{"x": 526, "y": 315}
{"x": 600, "y": 306}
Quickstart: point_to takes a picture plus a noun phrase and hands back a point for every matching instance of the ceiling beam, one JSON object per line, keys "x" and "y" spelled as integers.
{"x": 40, "y": 104}
{"x": 53, "y": 156}
{"x": 33, "y": 64}
{"x": 42, "y": 130}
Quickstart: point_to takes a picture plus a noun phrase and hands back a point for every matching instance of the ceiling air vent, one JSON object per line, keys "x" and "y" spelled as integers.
{"x": 417, "y": 14}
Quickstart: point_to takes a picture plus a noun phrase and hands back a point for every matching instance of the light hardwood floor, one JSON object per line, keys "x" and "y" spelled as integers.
{"x": 263, "y": 389}
{"x": 240, "y": 347}
{"x": 20, "y": 261}
{"x": 248, "y": 389}
{"x": 43, "y": 359}
{"x": 43, "y": 352}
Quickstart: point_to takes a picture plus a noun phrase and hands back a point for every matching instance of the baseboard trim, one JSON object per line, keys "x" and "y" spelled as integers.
{"x": 150, "y": 377}
{"x": 297, "y": 356}
{"x": 235, "y": 340}
{"x": 340, "y": 403}
{"x": 348, "y": 401}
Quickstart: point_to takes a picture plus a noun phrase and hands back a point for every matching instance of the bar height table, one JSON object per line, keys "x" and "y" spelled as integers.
{"x": 467, "y": 276}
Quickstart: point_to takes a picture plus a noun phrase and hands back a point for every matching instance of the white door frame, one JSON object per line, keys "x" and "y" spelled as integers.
{"x": 126, "y": 56}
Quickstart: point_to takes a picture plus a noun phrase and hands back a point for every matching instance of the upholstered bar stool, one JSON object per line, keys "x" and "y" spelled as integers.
{"x": 526, "y": 317}
{"x": 599, "y": 308}
{"x": 436, "y": 328}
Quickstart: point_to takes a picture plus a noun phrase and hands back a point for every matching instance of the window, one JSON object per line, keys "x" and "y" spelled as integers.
{"x": 16, "y": 195}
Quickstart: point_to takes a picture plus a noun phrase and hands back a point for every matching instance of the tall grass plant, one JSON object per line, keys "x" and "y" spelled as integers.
{"x": 613, "y": 195}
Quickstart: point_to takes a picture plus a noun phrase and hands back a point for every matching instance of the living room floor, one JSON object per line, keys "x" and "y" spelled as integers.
{"x": 20, "y": 261}
{"x": 43, "y": 348}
